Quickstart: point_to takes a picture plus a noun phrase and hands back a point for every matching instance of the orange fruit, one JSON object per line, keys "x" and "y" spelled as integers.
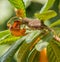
{"x": 15, "y": 29}
{"x": 43, "y": 56}
{"x": 18, "y": 32}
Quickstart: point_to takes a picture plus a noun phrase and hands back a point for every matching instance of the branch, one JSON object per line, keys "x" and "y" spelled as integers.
{"x": 37, "y": 24}
{"x": 55, "y": 35}
{"x": 33, "y": 23}
{"x": 56, "y": 38}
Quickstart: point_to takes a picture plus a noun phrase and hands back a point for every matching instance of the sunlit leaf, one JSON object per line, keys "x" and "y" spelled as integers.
{"x": 4, "y": 37}
{"x": 3, "y": 49}
{"x": 55, "y": 23}
{"x": 3, "y": 33}
{"x": 46, "y": 15}
{"x": 19, "y": 4}
{"x": 7, "y": 38}
{"x": 47, "y": 5}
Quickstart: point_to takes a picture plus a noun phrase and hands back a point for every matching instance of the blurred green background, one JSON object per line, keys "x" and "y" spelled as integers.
{"x": 32, "y": 6}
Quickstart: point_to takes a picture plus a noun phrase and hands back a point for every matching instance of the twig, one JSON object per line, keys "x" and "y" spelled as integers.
{"x": 39, "y": 25}
{"x": 33, "y": 23}
{"x": 56, "y": 38}
{"x": 55, "y": 35}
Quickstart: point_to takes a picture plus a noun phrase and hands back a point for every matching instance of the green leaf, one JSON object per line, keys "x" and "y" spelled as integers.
{"x": 3, "y": 49}
{"x": 41, "y": 45}
{"x": 55, "y": 23}
{"x": 7, "y": 38}
{"x": 25, "y": 48}
{"x": 33, "y": 35}
{"x": 48, "y": 36}
{"x": 19, "y": 4}
{"x": 37, "y": 57}
{"x": 57, "y": 30}
{"x": 46, "y": 15}
{"x": 12, "y": 50}
{"x": 32, "y": 55}
{"x": 53, "y": 52}
{"x": 8, "y": 56}
{"x": 3, "y": 33}
{"x": 44, "y": 42}
{"x": 23, "y": 52}
{"x": 47, "y": 5}
{"x": 58, "y": 43}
